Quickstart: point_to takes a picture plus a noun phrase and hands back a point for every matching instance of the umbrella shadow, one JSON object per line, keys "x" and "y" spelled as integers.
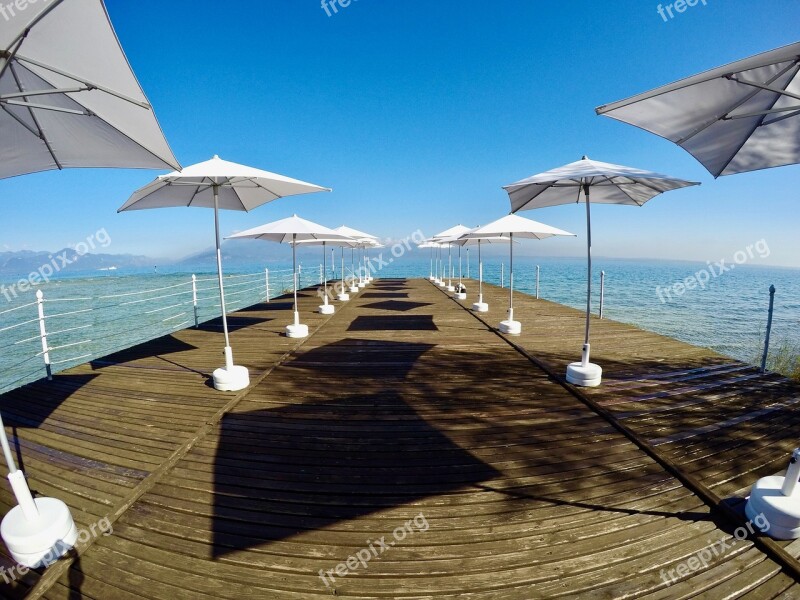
{"x": 235, "y": 323}
{"x": 372, "y": 295}
{"x": 156, "y": 348}
{"x": 30, "y": 406}
{"x": 393, "y": 323}
{"x": 396, "y": 305}
{"x": 282, "y": 472}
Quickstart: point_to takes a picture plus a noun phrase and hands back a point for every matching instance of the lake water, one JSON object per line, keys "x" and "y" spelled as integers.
{"x": 92, "y": 315}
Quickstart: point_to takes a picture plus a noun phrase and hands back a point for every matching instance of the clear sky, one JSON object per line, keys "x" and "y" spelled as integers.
{"x": 416, "y": 112}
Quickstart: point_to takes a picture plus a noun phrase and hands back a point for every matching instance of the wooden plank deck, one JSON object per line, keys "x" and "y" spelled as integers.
{"x": 402, "y": 406}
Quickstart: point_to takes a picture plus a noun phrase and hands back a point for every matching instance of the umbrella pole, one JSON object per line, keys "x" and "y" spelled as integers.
{"x": 480, "y": 274}
{"x": 228, "y": 351}
{"x": 294, "y": 278}
{"x": 586, "y": 346}
{"x": 511, "y": 278}
{"x": 344, "y": 290}
{"x": 459, "y": 267}
{"x": 19, "y": 485}
{"x": 449, "y": 265}
{"x": 325, "y": 274}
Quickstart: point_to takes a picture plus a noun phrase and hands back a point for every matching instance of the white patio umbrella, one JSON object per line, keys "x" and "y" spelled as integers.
{"x": 604, "y": 183}
{"x": 68, "y": 97}
{"x": 450, "y": 234}
{"x": 327, "y": 308}
{"x": 511, "y": 227}
{"x": 480, "y": 305}
{"x": 429, "y": 244}
{"x": 362, "y": 239}
{"x": 741, "y": 117}
{"x": 450, "y": 242}
{"x": 370, "y": 245}
{"x": 291, "y": 231}
{"x": 217, "y": 184}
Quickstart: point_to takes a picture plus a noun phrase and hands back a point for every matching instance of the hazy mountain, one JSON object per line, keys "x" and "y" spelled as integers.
{"x": 24, "y": 262}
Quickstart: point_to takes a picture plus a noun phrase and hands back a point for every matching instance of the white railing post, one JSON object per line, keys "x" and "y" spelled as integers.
{"x": 266, "y": 273}
{"x": 194, "y": 301}
{"x": 538, "y": 272}
{"x": 502, "y": 275}
{"x": 43, "y": 334}
{"x": 602, "y": 292}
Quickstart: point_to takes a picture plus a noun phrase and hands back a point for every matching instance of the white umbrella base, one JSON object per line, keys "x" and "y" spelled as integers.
{"x": 782, "y": 513}
{"x": 231, "y": 379}
{"x": 441, "y": 283}
{"x": 343, "y": 297}
{"x": 362, "y": 285}
{"x": 460, "y": 296}
{"x": 590, "y": 375}
{"x": 510, "y": 327}
{"x": 43, "y": 539}
{"x": 480, "y": 307}
{"x": 327, "y": 309}
{"x": 431, "y": 278}
{"x": 354, "y": 289}
{"x": 297, "y": 331}
{"x": 451, "y": 288}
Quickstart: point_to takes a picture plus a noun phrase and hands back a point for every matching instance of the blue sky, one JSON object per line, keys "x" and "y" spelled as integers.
{"x": 416, "y": 113}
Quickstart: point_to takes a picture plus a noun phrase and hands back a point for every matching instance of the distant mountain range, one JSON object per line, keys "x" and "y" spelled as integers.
{"x": 234, "y": 253}
{"x": 24, "y": 262}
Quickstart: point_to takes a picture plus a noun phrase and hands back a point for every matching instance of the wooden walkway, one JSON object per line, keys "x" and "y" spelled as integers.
{"x": 407, "y": 432}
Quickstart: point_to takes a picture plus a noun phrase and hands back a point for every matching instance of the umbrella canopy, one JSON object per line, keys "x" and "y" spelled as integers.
{"x": 445, "y": 238}
{"x": 480, "y": 305}
{"x": 453, "y": 232}
{"x": 514, "y": 226}
{"x": 362, "y": 238}
{"x": 327, "y": 308}
{"x": 354, "y": 233}
{"x": 68, "y": 97}
{"x": 216, "y": 184}
{"x": 294, "y": 231}
{"x": 609, "y": 183}
{"x": 290, "y": 230}
{"x": 237, "y": 187}
{"x": 510, "y": 227}
{"x": 342, "y": 296}
{"x": 740, "y": 117}
{"x": 590, "y": 181}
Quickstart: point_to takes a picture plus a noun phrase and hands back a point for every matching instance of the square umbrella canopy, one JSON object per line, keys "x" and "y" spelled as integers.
{"x": 510, "y": 227}
{"x": 216, "y": 184}
{"x": 292, "y": 230}
{"x": 68, "y": 97}
{"x": 590, "y": 181}
{"x": 740, "y": 117}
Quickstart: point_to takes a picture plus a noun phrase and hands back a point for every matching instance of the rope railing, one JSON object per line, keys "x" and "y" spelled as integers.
{"x": 155, "y": 311}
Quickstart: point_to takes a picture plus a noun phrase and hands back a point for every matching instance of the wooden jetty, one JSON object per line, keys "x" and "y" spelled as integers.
{"x": 405, "y": 429}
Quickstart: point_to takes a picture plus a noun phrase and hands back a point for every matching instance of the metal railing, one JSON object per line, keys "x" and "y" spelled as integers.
{"x": 51, "y": 334}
